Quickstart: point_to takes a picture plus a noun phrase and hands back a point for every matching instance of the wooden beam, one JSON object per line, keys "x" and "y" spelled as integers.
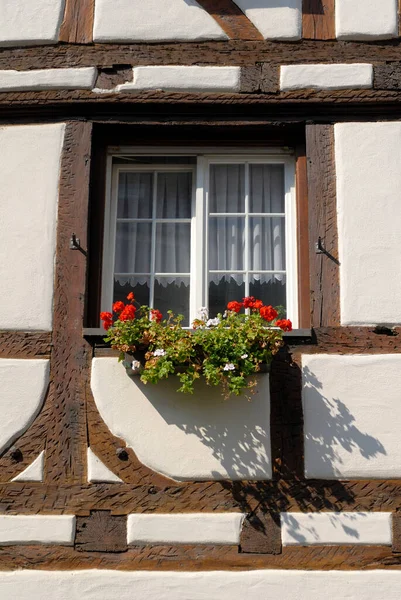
{"x": 231, "y": 19}
{"x": 318, "y": 21}
{"x": 25, "y": 344}
{"x": 324, "y": 266}
{"x": 77, "y": 26}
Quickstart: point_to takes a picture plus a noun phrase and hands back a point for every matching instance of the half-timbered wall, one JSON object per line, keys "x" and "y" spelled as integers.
{"x": 107, "y": 486}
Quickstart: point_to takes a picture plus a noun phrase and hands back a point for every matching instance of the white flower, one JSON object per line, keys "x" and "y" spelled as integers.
{"x": 244, "y": 356}
{"x": 203, "y": 313}
{"x": 135, "y": 365}
{"x": 159, "y": 352}
{"x": 213, "y": 322}
{"x": 229, "y": 367}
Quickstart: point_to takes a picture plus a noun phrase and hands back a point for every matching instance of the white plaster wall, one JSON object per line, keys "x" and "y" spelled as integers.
{"x": 97, "y": 470}
{"x": 48, "y": 79}
{"x": 333, "y": 529}
{"x": 328, "y": 77}
{"x": 366, "y": 19}
{"x": 352, "y": 416}
{"x": 275, "y": 19}
{"x": 136, "y": 20}
{"x": 176, "y": 78}
{"x": 199, "y": 437}
{"x": 37, "y": 529}
{"x": 23, "y": 386}
{"x": 221, "y": 585}
{"x": 29, "y": 175}
{"x": 192, "y": 528}
{"x": 368, "y": 167}
{"x": 34, "y": 471}
{"x": 30, "y": 22}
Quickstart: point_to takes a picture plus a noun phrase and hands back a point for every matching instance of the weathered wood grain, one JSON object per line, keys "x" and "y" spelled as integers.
{"x": 101, "y": 532}
{"x": 396, "y": 524}
{"x": 301, "y": 181}
{"x": 199, "y": 558}
{"x": 66, "y": 428}
{"x": 231, "y": 19}
{"x": 387, "y": 77}
{"x": 25, "y": 344}
{"x": 318, "y": 20}
{"x": 324, "y": 268}
{"x": 261, "y": 534}
{"x": 77, "y": 26}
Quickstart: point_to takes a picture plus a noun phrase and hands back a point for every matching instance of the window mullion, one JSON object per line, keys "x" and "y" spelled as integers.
{"x": 247, "y": 248}
{"x": 198, "y": 241}
{"x": 153, "y": 245}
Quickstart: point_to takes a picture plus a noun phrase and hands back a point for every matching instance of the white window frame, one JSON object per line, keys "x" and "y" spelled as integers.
{"x": 200, "y": 213}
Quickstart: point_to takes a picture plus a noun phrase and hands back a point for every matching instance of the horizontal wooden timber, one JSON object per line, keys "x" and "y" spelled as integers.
{"x": 199, "y": 558}
{"x": 25, "y": 344}
{"x": 291, "y": 495}
{"x": 232, "y": 52}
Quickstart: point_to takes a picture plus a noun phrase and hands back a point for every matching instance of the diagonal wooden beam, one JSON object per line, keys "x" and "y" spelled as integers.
{"x": 77, "y": 26}
{"x": 231, "y": 19}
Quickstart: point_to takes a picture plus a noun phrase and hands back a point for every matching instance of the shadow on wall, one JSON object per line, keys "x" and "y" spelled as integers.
{"x": 335, "y": 427}
{"x": 297, "y": 532}
{"x": 235, "y": 430}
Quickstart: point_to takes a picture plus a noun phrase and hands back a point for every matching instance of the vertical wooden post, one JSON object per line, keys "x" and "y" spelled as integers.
{"x": 77, "y": 26}
{"x": 318, "y": 21}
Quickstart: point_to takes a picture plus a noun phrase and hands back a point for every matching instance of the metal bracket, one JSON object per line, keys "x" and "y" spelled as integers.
{"x": 319, "y": 247}
{"x": 74, "y": 242}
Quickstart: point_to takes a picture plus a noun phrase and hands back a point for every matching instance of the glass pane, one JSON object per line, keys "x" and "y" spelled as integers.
{"x": 135, "y": 193}
{"x": 226, "y": 243}
{"x": 174, "y": 195}
{"x": 173, "y": 247}
{"x": 227, "y": 188}
{"x": 133, "y": 246}
{"x": 224, "y": 289}
{"x": 267, "y": 243}
{"x": 172, "y": 294}
{"x": 266, "y": 194}
{"x": 139, "y": 285}
{"x": 269, "y": 288}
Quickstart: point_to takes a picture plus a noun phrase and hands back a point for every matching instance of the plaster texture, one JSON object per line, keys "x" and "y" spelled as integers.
{"x": 34, "y": 471}
{"x": 23, "y": 387}
{"x": 326, "y": 77}
{"x": 224, "y": 585}
{"x": 352, "y": 416}
{"x": 48, "y": 79}
{"x": 199, "y": 437}
{"x": 368, "y": 167}
{"x": 275, "y": 19}
{"x": 30, "y": 22}
{"x": 366, "y": 19}
{"x": 192, "y": 528}
{"x": 336, "y": 529}
{"x": 175, "y": 78}
{"x": 98, "y": 472}
{"x": 136, "y": 21}
{"x": 29, "y": 175}
{"x": 37, "y": 529}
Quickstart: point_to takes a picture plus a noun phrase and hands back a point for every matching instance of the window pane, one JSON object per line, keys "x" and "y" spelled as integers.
{"x": 266, "y": 193}
{"x": 271, "y": 289}
{"x": 174, "y": 195}
{"x": 133, "y": 246}
{"x": 222, "y": 290}
{"x": 267, "y": 243}
{"x": 139, "y": 285}
{"x": 172, "y": 293}
{"x": 226, "y": 243}
{"x": 227, "y": 188}
{"x": 173, "y": 247}
{"x": 135, "y": 192}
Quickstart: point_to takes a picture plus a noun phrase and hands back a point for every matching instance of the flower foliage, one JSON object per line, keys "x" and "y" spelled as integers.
{"x": 226, "y": 350}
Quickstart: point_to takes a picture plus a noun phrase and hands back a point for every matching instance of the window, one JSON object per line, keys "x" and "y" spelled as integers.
{"x": 187, "y": 228}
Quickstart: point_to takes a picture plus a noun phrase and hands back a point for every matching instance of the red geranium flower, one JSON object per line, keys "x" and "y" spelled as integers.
{"x": 249, "y": 302}
{"x": 107, "y": 319}
{"x": 131, "y": 296}
{"x": 128, "y": 314}
{"x": 257, "y": 304}
{"x": 118, "y": 306}
{"x": 284, "y": 324}
{"x": 156, "y": 315}
{"x": 234, "y": 306}
{"x": 268, "y": 313}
